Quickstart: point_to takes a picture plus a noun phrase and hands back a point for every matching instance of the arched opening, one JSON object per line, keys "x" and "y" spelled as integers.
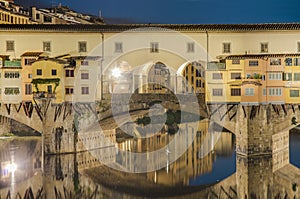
{"x": 193, "y": 77}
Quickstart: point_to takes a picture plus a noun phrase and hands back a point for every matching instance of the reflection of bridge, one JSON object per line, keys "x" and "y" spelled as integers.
{"x": 262, "y": 133}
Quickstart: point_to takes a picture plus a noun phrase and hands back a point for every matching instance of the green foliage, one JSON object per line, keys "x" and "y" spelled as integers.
{"x": 294, "y": 121}
{"x": 38, "y": 81}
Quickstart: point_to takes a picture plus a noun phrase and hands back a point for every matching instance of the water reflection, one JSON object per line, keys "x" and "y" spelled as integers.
{"x": 226, "y": 173}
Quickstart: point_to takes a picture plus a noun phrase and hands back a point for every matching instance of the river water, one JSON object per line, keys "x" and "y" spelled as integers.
{"x": 22, "y": 166}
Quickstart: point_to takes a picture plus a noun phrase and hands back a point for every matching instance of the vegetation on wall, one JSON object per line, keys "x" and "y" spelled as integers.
{"x": 38, "y": 81}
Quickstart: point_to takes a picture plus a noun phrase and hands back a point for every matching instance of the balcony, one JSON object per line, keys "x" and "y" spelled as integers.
{"x": 216, "y": 66}
{"x": 43, "y": 95}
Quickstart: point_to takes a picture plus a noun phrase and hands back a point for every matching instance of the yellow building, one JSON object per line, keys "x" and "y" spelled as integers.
{"x": 291, "y": 78}
{"x": 27, "y": 59}
{"x": 11, "y": 13}
{"x": 48, "y": 78}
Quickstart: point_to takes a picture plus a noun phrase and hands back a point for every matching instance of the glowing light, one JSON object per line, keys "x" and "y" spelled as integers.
{"x": 11, "y": 167}
{"x": 116, "y": 72}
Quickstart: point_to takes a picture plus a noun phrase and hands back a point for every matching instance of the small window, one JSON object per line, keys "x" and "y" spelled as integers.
{"x": 84, "y": 75}
{"x": 82, "y": 46}
{"x": 287, "y": 76}
{"x": 253, "y": 63}
{"x": 217, "y": 76}
{"x": 84, "y": 63}
{"x": 296, "y": 76}
{"x": 264, "y": 92}
{"x": 297, "y": 62}
{"x": 69, "y": 73}
{"x": 154, "y": 47}
{"x": 10, "y": 45}
{"x": 69, "y": 91}
{"x": 54, "y": 72}
{"x": 235, "y": 61}
{"x": 249, "y": 91}
{"x": 29, "y": 75}
{"x": 226, "y": 48}
{"x": 190, "y": 47}
{"x": 28, "y": 62}
{"x": 217, "y": 92}
{"x": 28, "y": 89}
{"x": 264, "y": 47}
{"x": 235, "y": 92}
{"x": 275, "y": 62}
{"x": 294, "y": 93}
{"x": 47, "y": 46}
{"x": 118, "y": 47}
{"x": 275, "y": 91}
{"x": 37, "y": 16}
{"x": 235, "y": 75}
{"x": 85, "y": 90}
{"x": 47, "y": 19}
{"x": 39, "y": 72}
{"x": 288, "y": 61}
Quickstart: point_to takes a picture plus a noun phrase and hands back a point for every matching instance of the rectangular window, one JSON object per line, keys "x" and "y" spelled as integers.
{"x": 296, "y": 61}
{"x": 29, "y": 75}
{"x": 235, "y": 92}
{"x": 84, "y": 63}
{"x": 10, "y": 45}
{"x": 296, "y": 76}
{"x": 275, "y": 62}
{"x": 217, "y": 76}
{"x": 235, "y": 61}
{"x": 264, "y": 92}
{"x": 249, "y": 91}
{"x": 294, "y": 93}
{"x": 217, "y": 92}
{"x": 28, "y": 62}
{"x": 154, "y": 47}
{"x": 37, "y": 16}
{"x": 118, "y": 47}
{"x": 226, "y": 48}
{"x": 53, "y": 72}
{"x": 275, "y": 91}
{"x": 275, "y": 76}
{"x": 85, "y": 90}
{"x": 39, "y": 72}
{"x": 47, "y": 19}
{"x": 288, "y": 61}
{"x": 235, "y": 75}
{"x": 198, "y": 73}
{"x": 287, "y": 76}
{"x": 47, "y": 46}
{"x": 69, "y": 73}
{"x": 84, "y": 75}
{"x": 190, "y": 47}
{"x": 12, "y": 75}
{"x": 69, "y": 91}
{"x": 198, "y": 83}
{"x": 28, "y": 89}
{"x": 264, "y": 47}
{"x": 82, "y": 46}
{"x": 253, "y": 63}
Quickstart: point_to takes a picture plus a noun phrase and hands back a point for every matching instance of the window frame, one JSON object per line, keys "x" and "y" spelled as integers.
{"x": 154, "y": 47}
{"x": 10, "y": 45}
{"x": 46, "y": 48}
{"x": 226, "y": 47}
{"x": 82, "y": 46}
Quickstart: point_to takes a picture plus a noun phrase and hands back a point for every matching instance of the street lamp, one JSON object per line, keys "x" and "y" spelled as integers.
{"x": 116, "y": 72}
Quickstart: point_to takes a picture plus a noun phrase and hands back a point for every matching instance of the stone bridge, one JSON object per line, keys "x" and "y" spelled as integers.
{"x": 262, "y": 145}
{"x": 64, "y": 126}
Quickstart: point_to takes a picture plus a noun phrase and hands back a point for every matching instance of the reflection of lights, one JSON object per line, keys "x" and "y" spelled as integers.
{"x": 116, "y": 72}
{"x": 11, "y": 167}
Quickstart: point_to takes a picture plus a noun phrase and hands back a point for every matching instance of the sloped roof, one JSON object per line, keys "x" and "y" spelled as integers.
{"x": 154, "y": 27}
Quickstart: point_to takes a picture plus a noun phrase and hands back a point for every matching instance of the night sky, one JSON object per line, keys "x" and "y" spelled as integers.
{"x": 185, "y": 11}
